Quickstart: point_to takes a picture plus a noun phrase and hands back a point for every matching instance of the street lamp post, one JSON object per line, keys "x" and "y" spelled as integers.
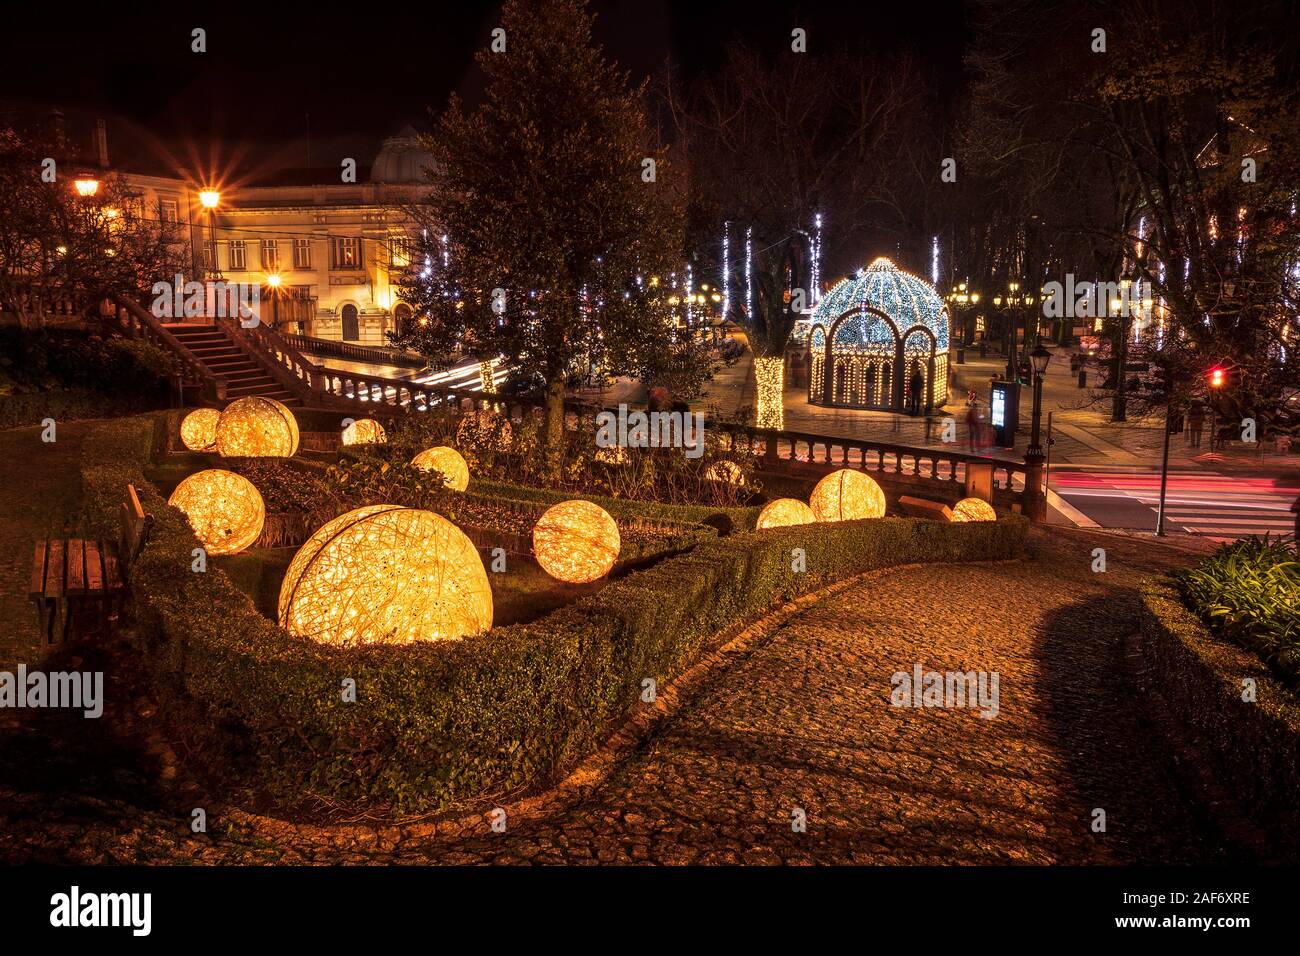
{"x": 1035, "y": 494}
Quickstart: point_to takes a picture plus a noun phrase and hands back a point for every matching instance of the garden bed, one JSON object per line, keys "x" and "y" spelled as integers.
{"x": 449, "y": 724}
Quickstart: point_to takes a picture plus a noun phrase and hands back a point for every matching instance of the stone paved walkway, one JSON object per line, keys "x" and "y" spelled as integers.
{"x": 803, "y": 720}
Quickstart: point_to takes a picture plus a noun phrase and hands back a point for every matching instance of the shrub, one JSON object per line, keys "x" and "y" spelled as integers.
{"x": 1248, "y": 592}
{"x": 443, "y": 723}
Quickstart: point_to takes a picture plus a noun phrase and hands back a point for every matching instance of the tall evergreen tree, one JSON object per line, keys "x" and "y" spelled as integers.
{"x": 563, "y": 218}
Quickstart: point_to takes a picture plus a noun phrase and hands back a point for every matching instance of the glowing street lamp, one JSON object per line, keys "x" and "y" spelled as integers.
{"x": 209, "y": 198}
{"x": 86, "y": 186}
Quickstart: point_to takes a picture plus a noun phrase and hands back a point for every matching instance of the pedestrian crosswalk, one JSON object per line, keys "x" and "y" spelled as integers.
{"x": 1218, "y": 506}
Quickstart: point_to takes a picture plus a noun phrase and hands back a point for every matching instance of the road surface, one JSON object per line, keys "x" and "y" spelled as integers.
{"x": 1216, "y": 505}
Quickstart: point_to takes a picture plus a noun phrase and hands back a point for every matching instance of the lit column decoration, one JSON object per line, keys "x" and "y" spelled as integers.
{"x": 726, "y": 270}
{"x": 817, "y": 259}
{"x": 485, "y": 370}
{"x": 769, "y": 379}
{"x": 934, "y": 261}
{"x": 749, "y": 272}
{"x": 690, "y": 288}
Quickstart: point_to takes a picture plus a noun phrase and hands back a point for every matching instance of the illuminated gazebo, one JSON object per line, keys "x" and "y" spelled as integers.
{"x": 871, "y": 334}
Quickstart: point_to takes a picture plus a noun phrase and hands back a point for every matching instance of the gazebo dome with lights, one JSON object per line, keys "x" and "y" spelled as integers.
{"x": 869, "y": 337}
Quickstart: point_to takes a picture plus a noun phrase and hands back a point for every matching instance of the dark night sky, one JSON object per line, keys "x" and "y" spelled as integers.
{"x": 363, "y": 72}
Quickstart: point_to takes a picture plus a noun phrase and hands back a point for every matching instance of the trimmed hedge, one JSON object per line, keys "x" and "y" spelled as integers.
{"x": 443, "y": 723}
{"x": 725, "y": 519}
{"x": 1253, "y": 747}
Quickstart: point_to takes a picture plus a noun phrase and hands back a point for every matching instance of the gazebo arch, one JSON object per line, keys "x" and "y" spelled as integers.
{"x": 876, "y": 368}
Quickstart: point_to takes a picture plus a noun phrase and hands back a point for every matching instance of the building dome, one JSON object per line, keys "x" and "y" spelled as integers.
{"x": 401, "y": 159}
{"x": 880, "y": 290}
{"x": 871, "y": 337}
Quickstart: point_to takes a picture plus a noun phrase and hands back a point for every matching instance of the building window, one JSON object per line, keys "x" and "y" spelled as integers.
{"x": 302, "y": 253}
{"x": 399, "y": 252}
{"x": 169, "y": 211}
{"x": 209, "y": 255}
{"x": 270, "y": 255}
{"x": 347, "y": 253}
{"x": 237, "y": 254}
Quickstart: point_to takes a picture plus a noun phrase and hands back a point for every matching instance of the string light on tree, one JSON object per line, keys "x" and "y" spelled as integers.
{"x": 726, "y": 270}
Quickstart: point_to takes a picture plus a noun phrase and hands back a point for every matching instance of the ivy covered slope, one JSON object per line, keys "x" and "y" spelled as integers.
{"x": 441, "y": 724}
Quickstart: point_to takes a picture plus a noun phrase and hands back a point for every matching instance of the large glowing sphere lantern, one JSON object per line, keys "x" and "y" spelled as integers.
{"x": 257, "y": 427}
{"x": 784, "y": 512}
{"x": 973, "y": 509}
{"x": 446, "y": 460}
{"x": 225, "y": 510}
{"x": 845, "y": 495}
{"x": 386, "y": 574}
{"x": 364, "y": 431}
{"x": 576, "y": 541}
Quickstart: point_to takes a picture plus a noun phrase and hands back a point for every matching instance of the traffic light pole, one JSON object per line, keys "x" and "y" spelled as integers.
{"x": 1164, "y": 473}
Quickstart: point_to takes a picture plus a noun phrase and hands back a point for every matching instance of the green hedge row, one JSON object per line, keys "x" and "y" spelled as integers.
{"x": 442, "y": 724}
{"x": 724, "y": 519}
{"x": 1251, "y": 745}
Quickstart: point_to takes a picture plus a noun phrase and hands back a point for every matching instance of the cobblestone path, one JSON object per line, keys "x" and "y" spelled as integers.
{"x": 803, "y": 720}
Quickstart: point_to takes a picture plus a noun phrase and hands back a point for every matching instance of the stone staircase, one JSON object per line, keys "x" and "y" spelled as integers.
{"x": 214, "y": 347}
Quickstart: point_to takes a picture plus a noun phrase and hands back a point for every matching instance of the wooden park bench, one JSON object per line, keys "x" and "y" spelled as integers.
{"x": 71, "y": 576}
{"x": 924, "y": 508}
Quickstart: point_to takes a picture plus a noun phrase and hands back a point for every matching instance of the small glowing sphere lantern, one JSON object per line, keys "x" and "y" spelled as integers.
{"x": 364, "y": 431}
{"x": 576, "y": 541}
{"x": 973, "y": 509}
{"x": 225, "y": 510}
{"x": 257, "y": 427}
{"x": 784, "y": 512}
{"x": 446, "y": 460}
{"x": 199, "y": 429}
{"x": 845, "y": 495}
{"x": 386, "y": 574}
{"x": 727, "y": 472}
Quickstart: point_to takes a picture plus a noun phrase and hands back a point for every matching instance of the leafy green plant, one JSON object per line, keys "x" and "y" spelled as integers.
{"x": 1248, "y": 592}
{"x": 355, "y": 482}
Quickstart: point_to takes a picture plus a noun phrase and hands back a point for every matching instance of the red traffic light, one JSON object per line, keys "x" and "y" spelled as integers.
{"x": 1216, "y": 376}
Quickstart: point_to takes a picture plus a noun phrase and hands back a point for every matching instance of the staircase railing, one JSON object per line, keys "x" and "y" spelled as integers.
{"x": 135, "y": 320}
{"x": 350, "y": 350}
{"x": 801, "y": 452}
{"x": 282, "y": 361}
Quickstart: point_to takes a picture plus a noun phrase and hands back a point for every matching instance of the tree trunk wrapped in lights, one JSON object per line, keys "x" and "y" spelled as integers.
{"x": 769, "y": 380}
{"x": 485, "y": 369}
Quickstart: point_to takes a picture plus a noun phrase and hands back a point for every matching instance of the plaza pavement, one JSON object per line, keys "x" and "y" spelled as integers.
{"x": 799, "y": 720}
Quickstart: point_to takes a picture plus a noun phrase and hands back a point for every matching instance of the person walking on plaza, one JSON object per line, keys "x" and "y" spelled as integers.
{"x": 914, "y": 387}
{"x": 1195, "y": 422}
{"x": 975, "y": 426}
